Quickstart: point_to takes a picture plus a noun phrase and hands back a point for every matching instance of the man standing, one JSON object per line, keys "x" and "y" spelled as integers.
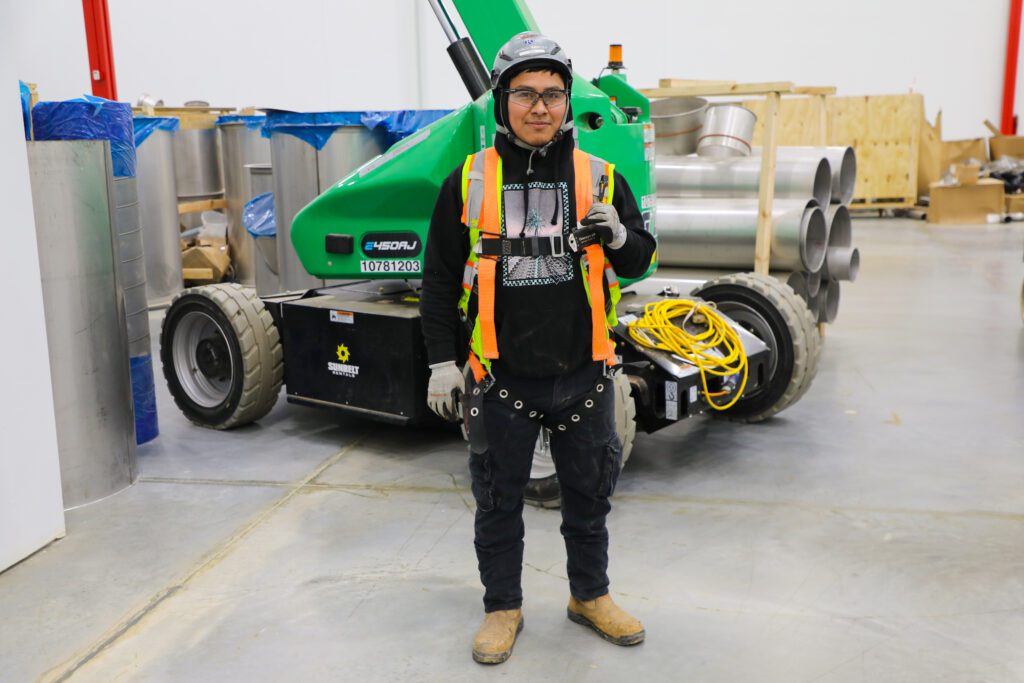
{"x": 521, "y": 257}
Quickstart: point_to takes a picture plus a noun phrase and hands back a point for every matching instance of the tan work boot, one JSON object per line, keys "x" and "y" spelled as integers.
{"x": 494, "y": 641}
{"x": 608, "y": 619}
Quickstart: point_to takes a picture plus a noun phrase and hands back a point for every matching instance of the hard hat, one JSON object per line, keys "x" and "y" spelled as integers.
{"x": 529, "y": 49}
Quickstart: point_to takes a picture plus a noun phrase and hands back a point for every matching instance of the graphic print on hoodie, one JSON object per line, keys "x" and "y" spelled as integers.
{"x": 540, "y": 209}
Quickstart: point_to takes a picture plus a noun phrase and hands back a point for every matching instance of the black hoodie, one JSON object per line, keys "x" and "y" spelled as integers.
{"x": 542, "y": 316}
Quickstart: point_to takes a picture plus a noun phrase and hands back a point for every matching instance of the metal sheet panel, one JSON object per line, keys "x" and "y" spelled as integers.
{"x": 85, "y": 317}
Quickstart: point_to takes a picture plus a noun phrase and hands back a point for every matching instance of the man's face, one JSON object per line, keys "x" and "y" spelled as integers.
{"x": 535, "y": 125}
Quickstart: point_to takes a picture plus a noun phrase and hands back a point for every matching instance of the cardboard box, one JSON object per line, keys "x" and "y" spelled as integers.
{"x": 967, "y": 174}
{"x": 935, "y": 155}
{"x": 1006, "y": 146}
{"x": 966, "y": 204}
{"x": 212, "y": 260}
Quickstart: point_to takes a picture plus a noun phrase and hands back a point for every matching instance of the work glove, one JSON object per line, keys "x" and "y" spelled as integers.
{"x": 603, "y": 221}
{"x": 444, "y": 393}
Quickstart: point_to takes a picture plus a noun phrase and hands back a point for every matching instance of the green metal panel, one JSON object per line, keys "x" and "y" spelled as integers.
{"x": 492, "y": 22}
{"x": 397, "y": 191}
{"x": 393, "y": 193}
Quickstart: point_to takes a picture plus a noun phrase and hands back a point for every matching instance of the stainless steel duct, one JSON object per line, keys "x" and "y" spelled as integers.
{"x": 840, "y": 229}
{"x": 131, "y": 269}
{"x": 158, "y": 213}
{"x": 85, "y": 318}
{"x": 301, "y": 173}
{"x": 261, "y": 181}
{"x": 728, "y": 131}
{"x": 741, "y": 177}
{"x": 827, "y": 302}
{"x": 842, "y": 160}
{"x": 843, "y": 263}
{"x": 678, "y": 122}
{"x": 197, "y": 168}
{"x": 721, "y": 233}
{"x": 814, "y": 281}
{"x": 241, "y": 144}
{"x": 797, "y": 280}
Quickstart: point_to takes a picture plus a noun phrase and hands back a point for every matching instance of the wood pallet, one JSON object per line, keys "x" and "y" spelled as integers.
{"x": 884, "y": 130}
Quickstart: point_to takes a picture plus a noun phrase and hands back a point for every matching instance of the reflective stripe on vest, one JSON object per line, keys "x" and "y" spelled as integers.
{"x": 481, "y": 213}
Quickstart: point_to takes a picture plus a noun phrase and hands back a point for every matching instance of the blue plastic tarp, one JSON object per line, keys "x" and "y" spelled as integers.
{"x": 402, "y": 124}
{"x": 258, "y": 216}
{"x": 317, "y": 128}
{"x": 26, "y": 108}
{"x": 146, "y": 125}
{"x": 90, "y": 118}
{"x": 144, "y": 398}
{"x": 251, "y": 122}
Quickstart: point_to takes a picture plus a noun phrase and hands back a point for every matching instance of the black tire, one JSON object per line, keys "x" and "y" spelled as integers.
{"x": 774, "y": 313}
{"x": 221, "y": 355}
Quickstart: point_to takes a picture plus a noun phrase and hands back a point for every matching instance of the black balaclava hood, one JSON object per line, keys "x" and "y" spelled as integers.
{"x": 500, "y": 93}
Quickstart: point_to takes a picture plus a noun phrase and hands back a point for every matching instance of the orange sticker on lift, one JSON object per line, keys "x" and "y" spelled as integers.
{"x": 346, "y": 317}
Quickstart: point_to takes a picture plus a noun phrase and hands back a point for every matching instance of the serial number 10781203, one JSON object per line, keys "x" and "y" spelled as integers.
{"x": 390, "y": 266}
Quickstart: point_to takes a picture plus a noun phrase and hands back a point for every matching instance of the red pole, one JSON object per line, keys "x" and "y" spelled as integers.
{"x": 101, "y": 49}
{"x": 1008, "y": 123}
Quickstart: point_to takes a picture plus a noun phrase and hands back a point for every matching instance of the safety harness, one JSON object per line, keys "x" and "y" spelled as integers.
{"x": 481, "y": 213}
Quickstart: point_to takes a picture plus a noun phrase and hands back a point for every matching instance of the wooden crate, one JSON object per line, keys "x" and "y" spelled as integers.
{"x": 884, "y": 130}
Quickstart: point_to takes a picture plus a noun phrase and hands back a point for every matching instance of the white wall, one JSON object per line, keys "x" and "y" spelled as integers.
{"x": 31, "y": 510}
{"x": 339, "y": 54}
{"x": 46, "y": 39}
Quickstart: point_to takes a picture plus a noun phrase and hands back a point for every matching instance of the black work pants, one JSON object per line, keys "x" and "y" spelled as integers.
{"x": 587, "y": 456}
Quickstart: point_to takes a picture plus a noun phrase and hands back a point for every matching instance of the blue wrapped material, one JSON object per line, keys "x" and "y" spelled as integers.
{"x": 402, "y": 124}
{"x": 258, "y": 216}
{"x": 26, "y": 108}
{"x": 90, "y": 118}
{"x": 145, "y": 125}
{"x": 316, "y": 128}
{"x": 144, "y": 398}
{"x": 251, "y": 122}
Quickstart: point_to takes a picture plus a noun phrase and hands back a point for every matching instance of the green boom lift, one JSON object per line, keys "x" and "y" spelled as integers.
{"x": 356, "y": 345}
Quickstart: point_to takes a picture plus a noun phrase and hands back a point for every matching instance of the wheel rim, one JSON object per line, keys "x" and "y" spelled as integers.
{"x": 203, "y": 359}
{"x": 752, "y": 321}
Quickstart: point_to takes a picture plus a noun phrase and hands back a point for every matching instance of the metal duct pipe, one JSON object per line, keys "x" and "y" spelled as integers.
{"x": 840, "y": 229}
{"x": 843, "y": 263}
{"x": 814, "y": 281}
{"x": 842, "y": 160}
{"x": 158, "y": 211}
{"x": 720, "y": 233}
{"x": 827, "y": 302}
{"x": 131, "y": 270}
{"x": 797, "y": 280}
{"x": 241, "y": 144}
{"x": 678, "y": 122}
{"x": 261, "y": 181}
{"x": 85, "y": 321}
{"x": 741, "y": 177}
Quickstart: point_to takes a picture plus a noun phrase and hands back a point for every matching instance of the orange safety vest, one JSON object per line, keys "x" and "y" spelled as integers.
{"x": 481, "y": 213}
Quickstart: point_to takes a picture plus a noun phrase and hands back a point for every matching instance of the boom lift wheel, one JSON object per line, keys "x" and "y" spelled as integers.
{"x": 773, "y": 312}
{"x": 221, "y": 355}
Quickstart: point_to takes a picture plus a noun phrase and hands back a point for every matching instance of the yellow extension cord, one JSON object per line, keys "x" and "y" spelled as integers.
{"x": 656, "y": 330}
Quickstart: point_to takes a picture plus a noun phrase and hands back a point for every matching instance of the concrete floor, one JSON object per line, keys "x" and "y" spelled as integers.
{"x": 872, "y": 532}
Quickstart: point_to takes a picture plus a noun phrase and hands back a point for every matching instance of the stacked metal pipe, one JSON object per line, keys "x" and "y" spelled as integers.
{"x": 707, "y": 215}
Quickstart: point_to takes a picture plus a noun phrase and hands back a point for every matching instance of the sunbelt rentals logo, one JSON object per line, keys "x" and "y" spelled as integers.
{"x": 342, "y": 368}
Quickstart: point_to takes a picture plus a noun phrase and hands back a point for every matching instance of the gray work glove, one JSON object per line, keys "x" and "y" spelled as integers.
{"x": 444, "y": 393}
{"x": 603, "y": 221}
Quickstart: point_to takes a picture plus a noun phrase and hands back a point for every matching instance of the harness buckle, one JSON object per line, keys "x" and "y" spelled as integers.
{"x": 557, "y": 245}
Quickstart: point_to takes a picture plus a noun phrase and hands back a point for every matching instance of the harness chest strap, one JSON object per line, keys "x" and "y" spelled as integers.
{"x": 482, "y": 214}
